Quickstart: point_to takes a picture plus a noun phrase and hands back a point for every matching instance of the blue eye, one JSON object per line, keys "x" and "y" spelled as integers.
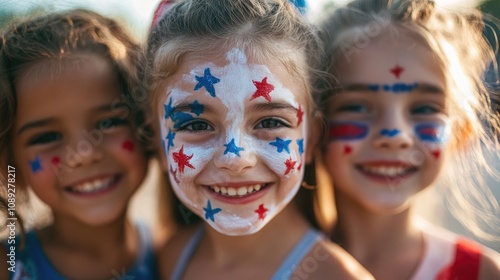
{"x": 195, "y": 126}
{"x": 271, "y": 123}
{"x": 425, "y": 110}
{"x": 112, "y": 122}
{"x": 45, "y": 138}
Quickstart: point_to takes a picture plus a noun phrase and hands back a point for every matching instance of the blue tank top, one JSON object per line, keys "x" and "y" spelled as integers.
{"x": 33, "y": 264}
{"x": 285, "y": 270}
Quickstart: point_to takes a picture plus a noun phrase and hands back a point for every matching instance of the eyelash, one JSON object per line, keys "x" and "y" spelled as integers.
{"x": 45, "y": 138}
{"x": 426, "y": 110}
{"x": 280, "y": 123}
{"x": 185, "y": 126}
{"x": 112, "y": 122}
{"x": 357, "y": 108}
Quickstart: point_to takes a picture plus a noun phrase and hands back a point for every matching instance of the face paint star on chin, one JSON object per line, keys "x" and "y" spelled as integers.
{"x": 261, "y": 211}
{"x": 281, "y": 145}
{"x": 210, "y": 213}
{"x": 207, "y": 81}
{"x": 263, "y": 89}
{"x": 232, "y": 148}
{"x": 182, "y": 159}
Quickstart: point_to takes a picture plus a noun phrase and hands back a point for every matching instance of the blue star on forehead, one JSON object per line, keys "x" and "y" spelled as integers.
{"x": 281, "y": 144}
{"x": 209, "y": 212}
{"x": 196, "y": 108}
{"x": 232, "y": 148}
{"x": 35, "y": 164}
{"x": 170, "y": 138}
{"x": 300, "y": 143}
{"x": 207, "y": 81}
{"x": 168, "y": 109}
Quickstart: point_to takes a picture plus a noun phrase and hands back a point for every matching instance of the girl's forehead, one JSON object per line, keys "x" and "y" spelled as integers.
{"x": 71, "y": 67}
{"x": 233, "y": 75}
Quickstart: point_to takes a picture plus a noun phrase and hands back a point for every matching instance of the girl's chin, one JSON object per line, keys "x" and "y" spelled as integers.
{"x": 237, "y": 227}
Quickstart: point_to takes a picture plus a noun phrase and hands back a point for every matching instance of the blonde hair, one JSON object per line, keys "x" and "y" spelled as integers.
{"x": 264, "y": 29}
{"x": 455, "y": 37}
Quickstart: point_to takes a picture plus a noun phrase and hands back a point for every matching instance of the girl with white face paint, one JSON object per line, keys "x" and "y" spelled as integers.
{"x": 231, "y": 101}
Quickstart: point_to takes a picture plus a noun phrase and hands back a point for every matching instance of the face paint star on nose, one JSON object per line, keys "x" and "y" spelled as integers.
{"x": 207, "y": 81}
{"x": 389, "y": 132}
{"x": 35, "y": 164}
{"x": 263, "y": 89}
{"x": 232, "y": 148}
{"x": 281, "y": 144}
{"x": 261, "y": 211}
{"x": 182, "y": 159}
{"x": 210, "y": 213}
{"x": 170, "y": 138}
{"x": 290, "y": 164}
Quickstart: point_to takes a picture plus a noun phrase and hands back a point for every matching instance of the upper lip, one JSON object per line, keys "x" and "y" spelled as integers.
{"x": 90, "y": 179}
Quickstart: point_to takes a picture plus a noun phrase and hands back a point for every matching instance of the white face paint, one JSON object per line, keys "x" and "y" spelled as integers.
{"x": 237, "y": 156}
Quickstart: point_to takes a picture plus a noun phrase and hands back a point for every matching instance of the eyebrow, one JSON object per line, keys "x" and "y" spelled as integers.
{"x": 110, "y": 107}
{"x": 186, "y": 107}
{"x": 421, "y": 87}
{"x": 35, "y": 124}
{"x": 273, "y": 106}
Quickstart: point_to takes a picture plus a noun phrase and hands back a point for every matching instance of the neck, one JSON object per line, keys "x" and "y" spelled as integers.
{"x": 366, "y": 234}
{"x": 281, "y": 234}
{"x": 118, "y": 235}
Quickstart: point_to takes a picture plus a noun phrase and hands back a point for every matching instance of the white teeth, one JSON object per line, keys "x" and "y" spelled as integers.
{"x": 389, "y": 171}
{"x": 96, "y": 185}
{"x": 240, "y": 191}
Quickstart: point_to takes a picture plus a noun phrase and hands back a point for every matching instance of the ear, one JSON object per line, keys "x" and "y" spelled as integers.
{"x": 315, "y": 137}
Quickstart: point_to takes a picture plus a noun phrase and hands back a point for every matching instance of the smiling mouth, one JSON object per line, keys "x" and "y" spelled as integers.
{"x": 237, "y": 191}
{"x": 387, "y": 171}
{"x": 94, "y": 186}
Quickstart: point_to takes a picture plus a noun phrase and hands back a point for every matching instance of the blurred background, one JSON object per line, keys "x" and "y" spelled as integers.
{"x": 137, "y": 15}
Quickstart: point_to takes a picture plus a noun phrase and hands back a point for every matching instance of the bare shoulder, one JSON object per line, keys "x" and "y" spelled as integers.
{"x": 4, "y": 273}
{"x": 326, "y": 260}
{"x": 490, "y": 265}
{"x": 168, "y": 253}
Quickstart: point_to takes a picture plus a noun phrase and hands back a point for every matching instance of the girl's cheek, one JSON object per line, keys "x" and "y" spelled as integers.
{"x": 345, "y": 137}
{"x": 41, "y": 169}
{"x": 433, "y": 137}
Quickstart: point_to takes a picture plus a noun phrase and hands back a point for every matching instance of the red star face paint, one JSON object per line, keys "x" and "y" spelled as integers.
{"x": 234, "y": 131}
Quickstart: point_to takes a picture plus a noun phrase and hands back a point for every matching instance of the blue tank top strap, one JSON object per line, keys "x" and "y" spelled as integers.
{"x": 297, "y": 254}
{"x": 145, "y": 265}
{"x": 187, "y": 253}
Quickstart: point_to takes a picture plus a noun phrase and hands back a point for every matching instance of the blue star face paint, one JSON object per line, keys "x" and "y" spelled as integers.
{"x": 210, "y": 212}
{"x": 232, "y": 148}
{"x": 396, "y": 88}
{"x": 35, "y": 164}
{"x": 207, "y": 81}
{"x": 281, "y": 144}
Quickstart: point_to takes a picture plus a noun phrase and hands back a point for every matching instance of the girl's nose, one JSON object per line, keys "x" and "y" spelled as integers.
{"x": 393, "y": 138}
{"x": 235, "y": 157}
{"x": 82, "y": 153}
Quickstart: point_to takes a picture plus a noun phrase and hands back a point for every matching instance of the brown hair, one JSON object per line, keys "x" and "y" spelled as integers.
{"x": 263, "y": 29}
{"x": 455, "y": 37}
